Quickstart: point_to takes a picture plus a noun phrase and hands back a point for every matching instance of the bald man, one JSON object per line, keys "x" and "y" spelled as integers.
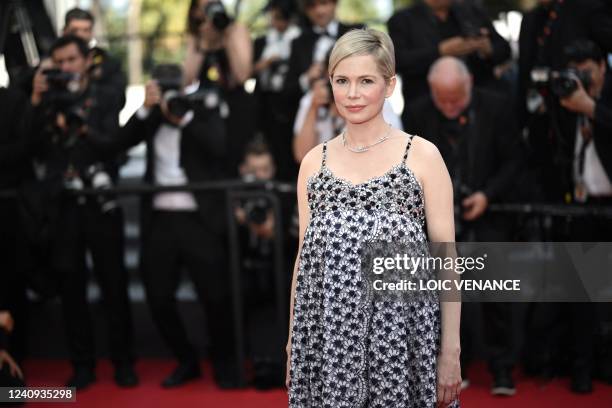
{"x": 430, "y": 29}
{"x": 475, "y": 133}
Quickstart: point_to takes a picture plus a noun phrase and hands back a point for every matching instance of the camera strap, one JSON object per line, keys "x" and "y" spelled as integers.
{"x": 586, "y": 131}
{"x": 585, "y": 127}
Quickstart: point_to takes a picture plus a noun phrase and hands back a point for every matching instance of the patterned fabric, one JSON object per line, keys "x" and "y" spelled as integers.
{"x": 347, "y": 349}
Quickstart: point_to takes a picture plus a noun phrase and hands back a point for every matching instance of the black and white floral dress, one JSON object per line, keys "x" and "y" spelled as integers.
{"x": 348, "y": 350}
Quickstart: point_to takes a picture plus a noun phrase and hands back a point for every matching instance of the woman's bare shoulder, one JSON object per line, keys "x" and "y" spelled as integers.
{"x": 423, "y": 158}
{"x": 311, "y": 163}
{"x": 422, "y": 150}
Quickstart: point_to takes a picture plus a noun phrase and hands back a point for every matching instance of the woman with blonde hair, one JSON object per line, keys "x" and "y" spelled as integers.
{"x": 370, "y": 183}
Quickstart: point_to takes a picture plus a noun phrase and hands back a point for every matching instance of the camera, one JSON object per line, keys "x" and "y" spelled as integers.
{"x": 256, "y": 210}
{"x": 215, "y": 11}
{"x": 60, "y": 81}
{"x": 63, "y": 87}
{"x": 169, "y": 78}
{"x": 561, "y": 83}
{"x": 64, "y": 96}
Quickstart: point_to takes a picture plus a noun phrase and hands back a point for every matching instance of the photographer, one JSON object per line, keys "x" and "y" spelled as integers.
{"x": 275, "y": 110}
{"x": 73, "y": 126}
{"x": 185, "y": 144}
{"x": 474, "y": 132}
{"x": 104, "y": 69}
{"x": 257, "y": 234}
{"x": 585, "y": 171}
{"x": 545, "y": 32}
{"x": 220, "y": 57}
{"x": 435, "y": 28}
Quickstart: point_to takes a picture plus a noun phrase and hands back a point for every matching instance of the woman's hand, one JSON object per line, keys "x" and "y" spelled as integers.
{"x": 449, "y": 377}
{"x": 13, "y": 366}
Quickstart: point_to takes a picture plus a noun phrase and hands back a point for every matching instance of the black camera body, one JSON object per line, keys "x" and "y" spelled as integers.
{"x": 169, "y": 77}
{"x": 561, "y": 83}
{"x": 65, "y": 97}
{"x": 256, "y": 210}
{"x": 215, "y": 12}
{"x": 63, "y": 87}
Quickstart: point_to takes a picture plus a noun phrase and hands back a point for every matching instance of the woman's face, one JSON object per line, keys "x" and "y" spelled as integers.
{"x": 359, "y": 88}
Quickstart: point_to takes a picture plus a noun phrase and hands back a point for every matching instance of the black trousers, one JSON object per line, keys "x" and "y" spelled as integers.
{"x": 81, "y": 228}
{"x": 497, "y": 317}
{"x": 178, "y": 239}
{"x": 555, "y": 327}
{"x": 12, "y": 279}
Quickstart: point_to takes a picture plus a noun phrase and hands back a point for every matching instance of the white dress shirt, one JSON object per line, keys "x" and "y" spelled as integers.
{"x": 167, "y": 170}
{"x": 594, "y": 175}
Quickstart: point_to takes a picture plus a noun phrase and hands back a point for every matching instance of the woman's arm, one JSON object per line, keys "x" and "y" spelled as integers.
{"x": 305, "y": 131}
{"x": 438, "y": 191}
{"x": 305, "y": 137}
{"x": 307, "y": 168}
{"x": 193, "y": 60}
{"x": 239, "y": 49}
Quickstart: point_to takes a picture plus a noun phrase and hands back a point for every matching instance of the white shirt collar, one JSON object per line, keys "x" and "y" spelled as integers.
{"x": 331, "y": 28}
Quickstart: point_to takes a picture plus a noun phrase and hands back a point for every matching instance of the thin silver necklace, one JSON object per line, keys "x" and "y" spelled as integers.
{"x": 362, "y": 149}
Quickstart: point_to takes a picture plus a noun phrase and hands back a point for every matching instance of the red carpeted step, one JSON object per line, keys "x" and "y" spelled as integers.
{"x": 204, "y": 393}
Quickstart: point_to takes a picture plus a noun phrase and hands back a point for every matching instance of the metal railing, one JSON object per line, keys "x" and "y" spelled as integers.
{"x": 269, "y": 190}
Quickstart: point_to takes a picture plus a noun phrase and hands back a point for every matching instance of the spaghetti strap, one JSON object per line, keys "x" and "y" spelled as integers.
{"x": 408, "y": 147}
{"x": 324, "y": 157}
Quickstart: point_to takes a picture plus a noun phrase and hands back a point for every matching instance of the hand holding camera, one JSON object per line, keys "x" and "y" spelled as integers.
{"x": 39, "y": 82}
{"x": 579, "y": 101}
{"x": 457, "y": 46}
{"x": 472, "y": 40}
{"x": 321, "y": 95}
{"x": 153, "y": 96}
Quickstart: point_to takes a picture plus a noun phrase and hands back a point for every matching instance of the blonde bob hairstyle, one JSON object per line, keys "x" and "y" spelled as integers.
{"x": 365, "y": 41}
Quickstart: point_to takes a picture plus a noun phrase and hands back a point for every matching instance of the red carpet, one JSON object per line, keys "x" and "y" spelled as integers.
{"x": 203, "y": 393}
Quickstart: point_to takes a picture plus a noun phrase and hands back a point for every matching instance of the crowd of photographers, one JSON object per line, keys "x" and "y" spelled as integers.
{"x": 539, "y": 130}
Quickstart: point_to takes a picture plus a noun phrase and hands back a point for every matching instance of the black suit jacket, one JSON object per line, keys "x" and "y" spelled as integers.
{"x": 203, "y": 156}
{"x": 15, "y": 117}
{"x": 494, "y": 156}
{"x": 416, "y": 38}
{"x": 559, "y": 177}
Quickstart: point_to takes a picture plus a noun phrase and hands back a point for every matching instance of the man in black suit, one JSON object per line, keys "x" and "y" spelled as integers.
{"x": 474, "y": 131}
{"x": 434, "y": 28}
{"x": 74, "y": 123}
{"x": 105, "y": 70}
{"x": 183, "y": 229}
{"x": 271, "y": 66}
{"x": 582, "y": 175}
{"x": 545, "y": 32}
{"x": 309, "y": 50}
{"x": 548, "y": 28}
